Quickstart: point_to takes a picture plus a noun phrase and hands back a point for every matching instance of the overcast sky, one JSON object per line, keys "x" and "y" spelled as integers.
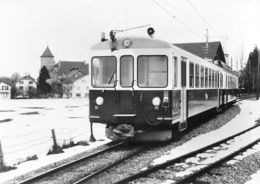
{"x": 70, "y": 27}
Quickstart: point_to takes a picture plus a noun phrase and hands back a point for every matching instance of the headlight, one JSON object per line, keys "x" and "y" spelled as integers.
{"x": 156, "y": 101}
{"x": 99, "y": 100}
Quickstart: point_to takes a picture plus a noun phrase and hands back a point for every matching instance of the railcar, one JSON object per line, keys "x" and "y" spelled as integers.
{"x": 141, "y": 87}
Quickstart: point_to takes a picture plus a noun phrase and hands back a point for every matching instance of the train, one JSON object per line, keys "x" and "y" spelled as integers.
{"x": 142, "y": 87}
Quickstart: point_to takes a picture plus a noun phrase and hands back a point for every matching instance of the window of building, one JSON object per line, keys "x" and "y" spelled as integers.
{"x": 191, "y": 75}
{"x": 202, "y": 76}
{"x": 30, "y": 82}
{"x": 197, "y": 73}
{"x": 78, "y": 95}
{"x": 21, "y": 82}
{"x": 20, "y": 87}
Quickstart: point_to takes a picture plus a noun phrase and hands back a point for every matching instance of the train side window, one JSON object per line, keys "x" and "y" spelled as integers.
{"x": 175, "y": 71}
{"x": 216, "y": 79}
{"x": 197, "y": 73}
{"x": 209, "y": 78}
{"x": 126, "y": 71}
{"x": 221, "y": 80}
{"x": 183, "y": 73}
{"x": 206, "y": 77}
{"x": 191, "y": 75}
{"x": 213, "y": 79}
{"x": 202, "y": 76}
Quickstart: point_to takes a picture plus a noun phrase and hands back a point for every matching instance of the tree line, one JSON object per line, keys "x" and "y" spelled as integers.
{"x": 248, "y": 75}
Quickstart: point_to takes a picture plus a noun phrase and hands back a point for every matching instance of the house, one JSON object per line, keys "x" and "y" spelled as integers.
{"x": 63, "y": 72}
{"x": 26, "y": 85}
{"x": 5, "y": 91}
{"x": 80, "y": 87}
{"x": 210, "y": 50}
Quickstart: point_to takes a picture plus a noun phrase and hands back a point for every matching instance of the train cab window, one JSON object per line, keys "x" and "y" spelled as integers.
{"x": 183, "y": 72}
{"x": 209, "y": 78}
{"x": 103, "y": 71}
{"x": 126, "y": 71}
{"x": 152, "y": 71}
{"x": 197, "y": 73}
{"x": 206, "y": 77}
{"x": 175, "y": 71}
{"x": 202, "y": 76}
{"x": 191, "y": 75}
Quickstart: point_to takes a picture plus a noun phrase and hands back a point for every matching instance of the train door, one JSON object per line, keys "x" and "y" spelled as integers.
{"x": 184, "y": 112}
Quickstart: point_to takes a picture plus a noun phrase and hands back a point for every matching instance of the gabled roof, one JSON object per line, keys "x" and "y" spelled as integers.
{"x": 5, "y": 83}
{"x": 47, "y": 53}
{"x": 27, "y": 77}
{"x": 66, "y": 67}
{"x": 214, "y": 51}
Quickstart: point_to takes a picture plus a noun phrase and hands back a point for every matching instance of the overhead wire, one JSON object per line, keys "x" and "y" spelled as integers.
{"x": 174, "y": 17}
{"x": 202, "y": 17}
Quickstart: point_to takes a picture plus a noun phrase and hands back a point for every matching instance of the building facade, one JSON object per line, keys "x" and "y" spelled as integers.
{"x": 5, "y": 91}
{"x": 26, "y": 85}
{"x": 80, "y": 87}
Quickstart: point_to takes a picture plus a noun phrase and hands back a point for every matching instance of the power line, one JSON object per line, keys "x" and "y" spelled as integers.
{"x": 200, "y": 15}
{"x": 187, "y": 27}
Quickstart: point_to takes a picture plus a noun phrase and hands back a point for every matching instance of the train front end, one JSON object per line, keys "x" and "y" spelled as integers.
{"x": 130, "y": 88}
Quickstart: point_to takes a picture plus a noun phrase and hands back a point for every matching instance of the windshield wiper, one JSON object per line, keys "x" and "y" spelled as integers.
{"x": 109, "y": 81}
{"x": 111, "y": 77}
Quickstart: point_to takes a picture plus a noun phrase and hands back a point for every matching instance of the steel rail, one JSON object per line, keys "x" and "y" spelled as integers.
{"x": 102, "y": 170}
{"x": 150, "y": 169}
{"x": 196, "y": 174}
{"x": 51, "y": 171}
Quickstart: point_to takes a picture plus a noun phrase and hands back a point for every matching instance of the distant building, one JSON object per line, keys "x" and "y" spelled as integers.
{"x": 47, "y": 59}
{"x": 80, "y": 87}
{"x": 64, "y": 72}
{"x": 211, "y": 50}
{"x": 5, "y": 91}
{"x": 25, "y": 85}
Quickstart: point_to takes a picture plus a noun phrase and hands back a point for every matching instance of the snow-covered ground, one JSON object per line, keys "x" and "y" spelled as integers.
{"x": 246, "y": 118}
{"x": 25, "y": 130}
{"x": 69, "y": 118}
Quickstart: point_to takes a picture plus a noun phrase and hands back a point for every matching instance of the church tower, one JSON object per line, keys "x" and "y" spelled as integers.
{"x": 47, "y": 59}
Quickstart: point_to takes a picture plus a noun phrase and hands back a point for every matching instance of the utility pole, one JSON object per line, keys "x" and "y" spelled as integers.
{"x": 258, "y": 77}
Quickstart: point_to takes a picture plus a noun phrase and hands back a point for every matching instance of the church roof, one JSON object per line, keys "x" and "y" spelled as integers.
{"x": 47, "y": 53}
{"x": 214, "y": 50}
{"x": 66, "y": 67}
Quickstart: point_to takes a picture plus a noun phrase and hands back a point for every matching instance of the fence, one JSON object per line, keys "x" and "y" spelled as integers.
{"x": 15, "y": 149}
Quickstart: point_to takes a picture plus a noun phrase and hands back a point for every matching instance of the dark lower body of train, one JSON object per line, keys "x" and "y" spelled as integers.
{"x": 151, "y": 115}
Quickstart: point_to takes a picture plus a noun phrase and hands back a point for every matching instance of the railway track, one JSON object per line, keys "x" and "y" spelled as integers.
{"x": 188, "y": 167}
{"x": 87, "y": 167}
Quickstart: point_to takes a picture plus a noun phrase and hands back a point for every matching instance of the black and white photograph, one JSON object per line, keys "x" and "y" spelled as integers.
{"x": 129, "y": 91}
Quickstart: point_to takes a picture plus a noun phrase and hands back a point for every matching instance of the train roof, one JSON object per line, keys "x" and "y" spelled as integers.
{"x": 135, "y": 42}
